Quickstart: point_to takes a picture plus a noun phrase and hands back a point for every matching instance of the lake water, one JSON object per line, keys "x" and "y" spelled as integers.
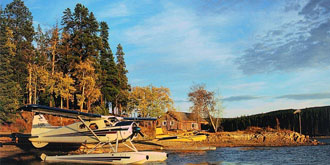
{"x": 257, "y": 155}
{"x": 241, "y": 155}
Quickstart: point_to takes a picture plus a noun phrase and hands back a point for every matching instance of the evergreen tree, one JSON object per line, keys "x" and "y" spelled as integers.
{"x": 67, "y": 21}
{"x": 81, "y": 29}
{"x": 67, "y": 58}
{"x": 80, "y": 42}
{"x": 41, "y": 39}
{"x": 85, "y": 42}
{"x": 122, "y": 97}
{"x": 109, "y": 72}
{"x": 10, "y": 91}
{"x": 19, "y": 19}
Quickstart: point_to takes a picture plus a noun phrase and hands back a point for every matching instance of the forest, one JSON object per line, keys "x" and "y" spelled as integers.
{"x": 315, "y": 121}
{"x": 70, "y": 66}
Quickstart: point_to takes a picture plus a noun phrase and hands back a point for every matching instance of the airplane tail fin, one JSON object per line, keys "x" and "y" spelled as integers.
{"x": 39, "y": 125}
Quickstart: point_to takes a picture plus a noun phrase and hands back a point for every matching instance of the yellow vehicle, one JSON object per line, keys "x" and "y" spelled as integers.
{"x": 184, "y": 137}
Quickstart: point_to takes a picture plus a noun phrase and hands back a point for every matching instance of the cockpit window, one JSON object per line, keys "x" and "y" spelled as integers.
{"x": 107, "y": 123}
{"x": 82, "y": 126}
{"x": 113, "y": 119}
{"x": 93, "y": 126}
{"x": 124, "y": 123}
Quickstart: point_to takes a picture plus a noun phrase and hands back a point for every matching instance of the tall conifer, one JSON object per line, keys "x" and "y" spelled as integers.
{"x": 109, "y": 72}
{"x": 20, "y": 21}
{"x": 122, "y": 97}
{"x": 10, "y": 91}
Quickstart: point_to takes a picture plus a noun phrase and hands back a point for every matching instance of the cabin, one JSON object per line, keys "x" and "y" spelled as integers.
{"x": 173, "y": 120}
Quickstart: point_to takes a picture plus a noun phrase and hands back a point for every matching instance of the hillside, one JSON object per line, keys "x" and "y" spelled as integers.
{"x": 315, "y": 121}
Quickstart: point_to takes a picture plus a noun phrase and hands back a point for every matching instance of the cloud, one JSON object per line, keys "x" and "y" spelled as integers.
{"x": 114, "y": 10}
{"x": 177, "y": 46}
{"x": 311, "y": 96}
{"x": 245, "y": 86}
{"x": 241, "y": 98}
{"x": 295, "y": 44}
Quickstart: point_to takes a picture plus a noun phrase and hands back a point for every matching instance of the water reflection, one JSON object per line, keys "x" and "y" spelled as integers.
{"x": 224, "y": 156}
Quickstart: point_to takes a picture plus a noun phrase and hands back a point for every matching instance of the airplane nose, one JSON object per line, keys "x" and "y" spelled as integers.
{"x": 136, "y": 130}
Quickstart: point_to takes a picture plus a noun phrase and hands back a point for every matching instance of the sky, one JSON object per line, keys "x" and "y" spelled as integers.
{"x": 258, "y": 56}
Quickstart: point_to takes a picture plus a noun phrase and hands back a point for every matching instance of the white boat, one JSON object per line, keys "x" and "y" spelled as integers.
{"x": 109, "y": 158}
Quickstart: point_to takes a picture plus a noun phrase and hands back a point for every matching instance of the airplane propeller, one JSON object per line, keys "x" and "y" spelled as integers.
{"x": 136, "y": 131}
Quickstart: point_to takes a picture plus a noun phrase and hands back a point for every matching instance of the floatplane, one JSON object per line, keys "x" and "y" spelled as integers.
{"x": 90, "y": 129}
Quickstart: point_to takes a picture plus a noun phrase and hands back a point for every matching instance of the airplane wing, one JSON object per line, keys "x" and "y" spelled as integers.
{"x": 74, "y": 114}
{"x": 140, "y": 118}
{"x": 60, "y": 112}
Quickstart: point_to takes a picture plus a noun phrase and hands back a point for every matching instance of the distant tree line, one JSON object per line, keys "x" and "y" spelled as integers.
{"x": 71, "y": 65}
{"x": 314, "y": 121}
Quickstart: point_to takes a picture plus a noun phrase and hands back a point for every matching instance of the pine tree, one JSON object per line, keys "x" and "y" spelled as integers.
{"x": 67, "y": 58}
{"x": 80, "y": 32}
{"x": 41, "y": 39}
{"x": 109, "y": 73}
{"x": 122, "y": 97}
{"x": 85, "y": 42}
{"x": 10, "y": 91}
{"x": 67, "y": 21}
{"x": 19, "y": 19}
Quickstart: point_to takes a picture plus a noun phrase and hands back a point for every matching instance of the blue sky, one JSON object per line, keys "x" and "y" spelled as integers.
{"x": 259, "y": 55}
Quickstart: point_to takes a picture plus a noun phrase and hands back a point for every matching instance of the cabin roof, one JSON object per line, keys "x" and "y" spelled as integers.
{"x": 184, "y": 116}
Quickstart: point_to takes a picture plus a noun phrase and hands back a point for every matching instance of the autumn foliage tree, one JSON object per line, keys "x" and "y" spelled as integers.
{"x": 89, "y": 92}
{"x": 205, "y": 105}
{"x": 67, "y": 89}
{"x": 150, "y": 101}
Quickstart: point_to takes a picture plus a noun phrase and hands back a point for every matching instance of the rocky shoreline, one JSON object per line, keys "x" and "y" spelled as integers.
{"x": 255, "y": 136}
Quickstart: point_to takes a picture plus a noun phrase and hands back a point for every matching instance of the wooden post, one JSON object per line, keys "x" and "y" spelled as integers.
{"x": 295, "y": 112}
{"x": 300, "y": 122}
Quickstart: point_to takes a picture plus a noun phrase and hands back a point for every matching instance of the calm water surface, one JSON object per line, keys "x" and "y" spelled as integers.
{"x": 243, "y": 155}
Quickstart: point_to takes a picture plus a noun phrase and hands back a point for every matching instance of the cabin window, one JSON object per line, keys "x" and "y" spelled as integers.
{"x": 82, "y": 126}
{"x": 164, "y": 123}
{"x": 171, "y": 122}
{"x": 194, "y": 125}
{"x": 113, "y": 119}
{"x": 93, "y": 126}
{"x": 107, "y": 123}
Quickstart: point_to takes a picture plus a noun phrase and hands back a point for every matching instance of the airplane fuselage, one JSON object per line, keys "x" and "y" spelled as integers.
{"x": 78, "y": 132}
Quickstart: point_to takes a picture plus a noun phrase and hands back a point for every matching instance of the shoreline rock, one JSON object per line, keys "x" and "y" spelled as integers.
{"x": 255, "y": 136}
